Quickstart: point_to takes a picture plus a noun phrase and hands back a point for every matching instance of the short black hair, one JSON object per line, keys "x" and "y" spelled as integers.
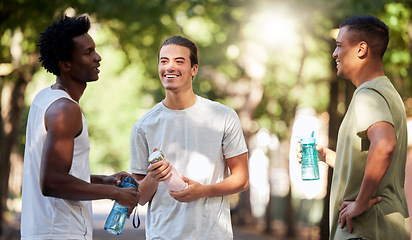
{"x": 56, "y": 41}
{"x": 371, "y": 30}
{"x": 182, "y": 41}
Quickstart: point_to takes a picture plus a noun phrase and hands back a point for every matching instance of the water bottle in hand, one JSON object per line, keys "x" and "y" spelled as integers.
{"x": 310, "y": 167}
{"x": 117, "y": 217}
{"x": 174, "y": 182}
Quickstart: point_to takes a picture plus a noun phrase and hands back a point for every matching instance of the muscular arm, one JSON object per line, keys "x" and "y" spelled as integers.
{"x": 114, "y": 179}
{"x": 382, "y": 145}
{"x": 63, "y": 122}
{"x": 238, "y": 181}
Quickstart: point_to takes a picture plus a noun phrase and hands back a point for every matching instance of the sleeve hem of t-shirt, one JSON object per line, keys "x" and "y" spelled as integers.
{"x": 138, "y": 171}
{"x": 363, "y": 134}
{"x": 236, "y": 154}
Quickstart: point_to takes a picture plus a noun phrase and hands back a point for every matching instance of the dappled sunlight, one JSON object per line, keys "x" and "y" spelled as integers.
{"x": 260, "y": 58}
{"x": 207, "y": 29}
{"x": 254, "y": 59}
{"x": 279, "y": 182}
{"x": 232, "y": 52}
{"x": 273, "y": 26}
{"x": 270, "y": 29}
{"x": 259, "y": 182}
{"x": 268, "y": 175}
{"x": 70, "y": 12}
{"x": 6, "y": 93}
{"x": 41, "y": 79}
{"x": 6, "y": 69}
{"x": 305, "y": 122}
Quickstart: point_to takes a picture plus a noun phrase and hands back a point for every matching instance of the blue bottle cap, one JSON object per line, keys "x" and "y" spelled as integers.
{"x": 128, "y": 182}
{"x": 309, "y": 140}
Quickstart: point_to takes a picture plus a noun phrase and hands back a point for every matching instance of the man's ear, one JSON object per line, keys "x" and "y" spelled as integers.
{"x": 194, "y": 70}
{"x": 64, "y": 66}
{"x": 363, "y": 49}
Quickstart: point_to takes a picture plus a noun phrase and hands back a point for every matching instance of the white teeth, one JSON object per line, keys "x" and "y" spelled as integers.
{"x": 171, "y": 76}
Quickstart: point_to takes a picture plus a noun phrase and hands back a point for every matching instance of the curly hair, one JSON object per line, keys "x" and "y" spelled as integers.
{"x": 56, "y": 41}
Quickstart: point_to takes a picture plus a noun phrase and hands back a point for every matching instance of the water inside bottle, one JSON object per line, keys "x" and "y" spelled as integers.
{"x": 116, "y": 220}
{"x": 310, "y": 168}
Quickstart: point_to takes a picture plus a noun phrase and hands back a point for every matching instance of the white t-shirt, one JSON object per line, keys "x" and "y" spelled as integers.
{"x": 47, "y": 217}
{"x": 196, "y": 141}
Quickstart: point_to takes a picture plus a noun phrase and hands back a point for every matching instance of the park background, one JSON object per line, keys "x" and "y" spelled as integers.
{"x": 270, "y": 60}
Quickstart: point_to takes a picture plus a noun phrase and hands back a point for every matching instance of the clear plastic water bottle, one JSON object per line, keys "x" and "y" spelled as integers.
{"x": 175, "y": 182}
{"x": 117, "y": 217}
{"x": 310, "y": 167}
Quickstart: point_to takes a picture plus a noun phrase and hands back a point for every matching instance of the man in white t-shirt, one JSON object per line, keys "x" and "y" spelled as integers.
{"x": 202, "y": 140}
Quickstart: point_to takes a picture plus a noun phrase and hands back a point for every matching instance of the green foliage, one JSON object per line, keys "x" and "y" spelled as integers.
{"x": 295, "y": 60}
{"x": 397, "y": 60}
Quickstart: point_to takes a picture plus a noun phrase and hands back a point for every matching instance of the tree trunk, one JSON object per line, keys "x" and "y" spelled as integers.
{"x": 12, "y": 105}
{"x": 290, "y": 216}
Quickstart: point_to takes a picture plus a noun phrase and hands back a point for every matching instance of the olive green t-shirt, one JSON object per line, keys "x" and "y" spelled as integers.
{"x": 374, "y": 101}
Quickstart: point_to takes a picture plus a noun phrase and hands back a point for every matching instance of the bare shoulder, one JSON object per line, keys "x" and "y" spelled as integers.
{"x": 63, "y": 116}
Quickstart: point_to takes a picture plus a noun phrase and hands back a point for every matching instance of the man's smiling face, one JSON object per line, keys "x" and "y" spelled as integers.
{"x": 345, "y": 54}
{"x": 174, "y": 68}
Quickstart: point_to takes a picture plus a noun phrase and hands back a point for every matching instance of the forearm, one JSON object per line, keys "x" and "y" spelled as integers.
{"x": 148, "y": 187}
{"x": 71, "y": 188}
{"x": 103, "y": 179}
{"x": 382, "y": 146}
{"x": 328, "y": 156}
{"x": 238, "y": 181}
{"x": 377, "y": 164}
{"x": 231, "y": 185}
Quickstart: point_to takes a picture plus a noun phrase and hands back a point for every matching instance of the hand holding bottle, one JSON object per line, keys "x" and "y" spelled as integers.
{"x": 310, "y": 167}
{"x": 167, "y": 172}
{"x": 117, "y": 217}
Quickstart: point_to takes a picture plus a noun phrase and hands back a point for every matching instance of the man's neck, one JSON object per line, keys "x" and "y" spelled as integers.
{"x": 368, "y": 73}
{"x": 179, "y": 101}
{"x": 74, "y": 89}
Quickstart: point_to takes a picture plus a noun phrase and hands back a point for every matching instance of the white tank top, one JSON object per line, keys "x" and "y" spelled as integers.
{"x": 47, "y": 217}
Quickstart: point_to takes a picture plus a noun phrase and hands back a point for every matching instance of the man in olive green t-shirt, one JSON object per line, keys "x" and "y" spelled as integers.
{"x": 367, "y": 196}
